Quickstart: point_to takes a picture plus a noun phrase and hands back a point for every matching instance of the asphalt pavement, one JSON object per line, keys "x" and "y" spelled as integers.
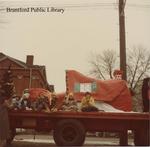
{"x": 47, "y": 141}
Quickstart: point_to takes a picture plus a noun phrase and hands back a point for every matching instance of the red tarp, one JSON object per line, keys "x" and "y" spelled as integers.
{"x": 37, "y": 92}
{"x": 113, "y": 92}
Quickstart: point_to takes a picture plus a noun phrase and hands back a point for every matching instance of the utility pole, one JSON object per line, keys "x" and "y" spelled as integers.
{"x": 124, "y": 134}
{"x": 122, "y": 38}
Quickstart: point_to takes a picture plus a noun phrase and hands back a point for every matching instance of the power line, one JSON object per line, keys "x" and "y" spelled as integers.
{"x": 81, "y": 5}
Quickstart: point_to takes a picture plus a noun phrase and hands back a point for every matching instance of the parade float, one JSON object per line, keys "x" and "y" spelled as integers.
{"x": 70, "y": 127}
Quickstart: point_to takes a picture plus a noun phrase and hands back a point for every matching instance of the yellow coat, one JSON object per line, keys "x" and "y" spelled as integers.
{"x": 87, "y": 101}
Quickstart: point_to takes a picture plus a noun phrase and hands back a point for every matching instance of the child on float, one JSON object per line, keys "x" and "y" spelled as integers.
{"x": 88, "y": 103}
{"x": 70, "y": 104}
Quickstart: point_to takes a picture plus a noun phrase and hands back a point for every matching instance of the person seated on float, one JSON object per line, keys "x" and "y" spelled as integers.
{"x": 53, "y": 106}
{"x": 70, "y": 104}
{"x": 16, "y": 103}
{"x": 42, "y": 104}
{"x": 25, "y": 102}
{"x": 88, "y": 103}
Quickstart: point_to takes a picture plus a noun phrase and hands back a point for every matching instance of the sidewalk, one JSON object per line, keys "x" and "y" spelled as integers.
{"x": 47, "y": 140}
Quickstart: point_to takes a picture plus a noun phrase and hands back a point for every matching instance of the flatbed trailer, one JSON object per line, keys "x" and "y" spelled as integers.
{"x": 69, "y": 128}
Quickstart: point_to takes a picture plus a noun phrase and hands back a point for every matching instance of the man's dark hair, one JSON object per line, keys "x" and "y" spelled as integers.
{"x": 87, "y": 93}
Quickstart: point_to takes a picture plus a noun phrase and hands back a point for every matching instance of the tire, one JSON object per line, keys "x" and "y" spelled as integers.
{"x": 69, "y": 132}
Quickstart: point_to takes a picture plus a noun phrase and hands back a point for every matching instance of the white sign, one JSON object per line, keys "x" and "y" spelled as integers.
{"x": 85, "y": 87}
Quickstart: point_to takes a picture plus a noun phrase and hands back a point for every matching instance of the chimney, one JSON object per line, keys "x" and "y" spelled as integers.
{"x": 29, "y": 60}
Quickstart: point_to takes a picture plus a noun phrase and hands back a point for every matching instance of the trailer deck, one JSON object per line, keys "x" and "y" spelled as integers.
{"x": 83, "y": 121}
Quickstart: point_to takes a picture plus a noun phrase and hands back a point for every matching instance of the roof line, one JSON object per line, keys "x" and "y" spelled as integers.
{"x": 12, "y": 60}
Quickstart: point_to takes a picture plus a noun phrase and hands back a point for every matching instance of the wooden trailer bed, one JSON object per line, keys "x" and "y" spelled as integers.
{"x": 70, "y": 127}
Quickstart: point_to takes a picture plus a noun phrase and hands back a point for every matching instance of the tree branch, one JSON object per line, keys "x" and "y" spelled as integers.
{"x": 135, "y": 71}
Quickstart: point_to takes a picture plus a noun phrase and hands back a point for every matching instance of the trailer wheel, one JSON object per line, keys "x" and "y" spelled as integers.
{"x": 69, "y": 132}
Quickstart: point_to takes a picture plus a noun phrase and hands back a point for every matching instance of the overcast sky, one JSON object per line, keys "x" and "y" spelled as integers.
{"x": 65, "y": 41}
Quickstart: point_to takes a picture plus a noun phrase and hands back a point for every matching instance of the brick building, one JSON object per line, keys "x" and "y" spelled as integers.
{"x": 25, "y": 75}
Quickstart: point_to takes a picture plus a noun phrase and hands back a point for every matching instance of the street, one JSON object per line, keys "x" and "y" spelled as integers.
{"x": 47, "y": 141}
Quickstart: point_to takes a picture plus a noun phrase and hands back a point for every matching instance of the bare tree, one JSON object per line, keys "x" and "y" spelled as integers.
{"x": 103, "y": 64}
{"x": 138, "y": 65}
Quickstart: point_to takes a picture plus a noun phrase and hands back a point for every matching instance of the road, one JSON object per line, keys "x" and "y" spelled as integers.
{"x": 47, "y": 141}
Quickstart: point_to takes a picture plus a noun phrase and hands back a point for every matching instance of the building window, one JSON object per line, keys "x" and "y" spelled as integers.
{"x": 19, "y": 77}
{"x": 35, "y": 78}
